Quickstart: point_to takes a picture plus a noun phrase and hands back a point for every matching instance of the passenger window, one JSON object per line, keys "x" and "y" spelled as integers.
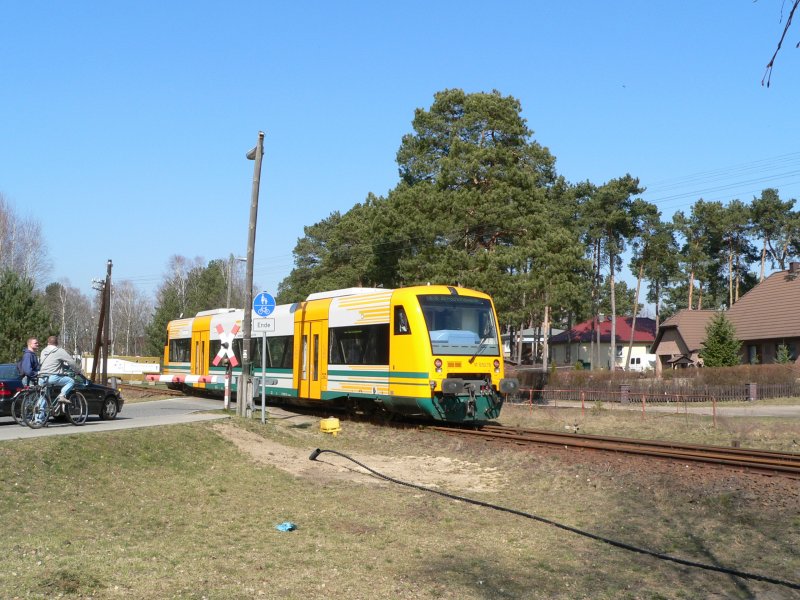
{"x": 359, "y": 345}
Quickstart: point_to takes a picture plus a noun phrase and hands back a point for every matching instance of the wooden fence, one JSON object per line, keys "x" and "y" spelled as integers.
{"x": 660, "y": 393}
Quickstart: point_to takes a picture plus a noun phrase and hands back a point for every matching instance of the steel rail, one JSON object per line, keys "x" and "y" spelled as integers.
{"x": 760, "y": 460}
{"x": 147, "y": 390}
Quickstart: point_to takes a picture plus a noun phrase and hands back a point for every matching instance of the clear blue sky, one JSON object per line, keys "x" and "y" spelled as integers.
{"x": 125, "y": 125}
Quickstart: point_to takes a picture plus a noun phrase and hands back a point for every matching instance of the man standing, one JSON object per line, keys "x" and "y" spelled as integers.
{"x": 53, "y": 369}
{"x": 30, "y": 362}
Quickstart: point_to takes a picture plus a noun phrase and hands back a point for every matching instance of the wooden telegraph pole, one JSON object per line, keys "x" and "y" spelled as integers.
{"x": 244, "y": 390}
{"x": 103, "y": 325}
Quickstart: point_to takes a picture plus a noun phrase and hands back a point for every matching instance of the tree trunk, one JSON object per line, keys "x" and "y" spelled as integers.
{"x": 545, "y": 330}
{"x": 738, "y": 277}
{"x": 763, "y": 258}
{"x": 691, "y": 287}
{"x": 635, "y": 310}
{"x": 730, "y": 276}
{"x": 595, "y": 285}
{"x": 658, "y": 306}
{"x": 613, "y": 347}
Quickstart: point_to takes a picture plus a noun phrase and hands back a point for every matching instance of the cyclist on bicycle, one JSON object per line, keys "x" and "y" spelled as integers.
{"x": 55, "y": 363}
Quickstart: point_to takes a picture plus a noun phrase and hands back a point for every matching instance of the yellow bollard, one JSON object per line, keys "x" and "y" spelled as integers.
{"x": 330, "y": 425}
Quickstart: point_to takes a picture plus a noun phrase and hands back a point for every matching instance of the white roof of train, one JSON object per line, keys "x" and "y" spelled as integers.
{"x": 354, "y": 291}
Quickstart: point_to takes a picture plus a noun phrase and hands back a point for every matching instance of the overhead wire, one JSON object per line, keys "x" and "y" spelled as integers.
{"x": 697, "y": 185}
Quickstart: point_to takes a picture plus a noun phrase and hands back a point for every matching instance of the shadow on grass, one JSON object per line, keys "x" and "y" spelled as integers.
{"x": 66, "y": 581}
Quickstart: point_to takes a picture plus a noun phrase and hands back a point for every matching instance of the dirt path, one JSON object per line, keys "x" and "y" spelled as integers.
{"x": 428, "y": 471}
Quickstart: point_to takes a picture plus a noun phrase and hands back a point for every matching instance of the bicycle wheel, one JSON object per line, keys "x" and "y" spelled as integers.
{"x": 16, "y": 406}
{"x": 78, "y": 409}
{"x": 36, "y": 410}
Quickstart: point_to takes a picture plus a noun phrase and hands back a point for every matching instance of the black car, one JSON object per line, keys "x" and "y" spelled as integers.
{"x": 10, "y": 382}
{"x": 103, "y": 400}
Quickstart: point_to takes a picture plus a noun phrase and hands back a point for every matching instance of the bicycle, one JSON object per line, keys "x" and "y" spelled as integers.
{"x": 39, "y": 405}
{"x": 16, "y": 404}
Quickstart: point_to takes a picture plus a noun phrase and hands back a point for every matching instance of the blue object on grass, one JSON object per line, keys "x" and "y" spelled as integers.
{"x": 286, "y": 526}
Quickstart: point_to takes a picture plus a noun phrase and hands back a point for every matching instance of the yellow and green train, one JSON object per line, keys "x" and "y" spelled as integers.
{"x": 429, "y": 351}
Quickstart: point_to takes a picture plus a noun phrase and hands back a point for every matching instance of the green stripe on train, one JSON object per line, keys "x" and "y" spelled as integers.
{"x": 370, "y": 373}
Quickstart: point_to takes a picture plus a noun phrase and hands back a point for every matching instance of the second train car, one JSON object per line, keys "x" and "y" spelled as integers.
{"x": 429, "y": 351}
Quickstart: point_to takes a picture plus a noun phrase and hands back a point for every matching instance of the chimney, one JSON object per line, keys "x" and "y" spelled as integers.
{"x": 794, "y": 267}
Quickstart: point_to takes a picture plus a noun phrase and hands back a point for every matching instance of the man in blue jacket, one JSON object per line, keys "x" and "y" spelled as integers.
{"x": 30, "y": 362}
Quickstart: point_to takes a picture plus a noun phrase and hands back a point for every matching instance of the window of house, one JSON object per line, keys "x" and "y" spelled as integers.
{"x": 791, "y": 347}
{"x": 754, "y": 354}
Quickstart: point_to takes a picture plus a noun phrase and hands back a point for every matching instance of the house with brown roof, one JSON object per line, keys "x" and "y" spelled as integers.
{"x": 680, "y": 338}
{"x": 768, "y": 316}
{"x": 575, "y": 345}
{"x": 765, "y": 318}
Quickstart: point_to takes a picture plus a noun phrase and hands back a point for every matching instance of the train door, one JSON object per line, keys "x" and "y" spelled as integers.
{"x": 313, "y": 359}
{"x": 200, "y": 362}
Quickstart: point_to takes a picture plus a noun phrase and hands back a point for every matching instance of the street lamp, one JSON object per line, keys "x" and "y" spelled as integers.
{"x": 245, "y": 388}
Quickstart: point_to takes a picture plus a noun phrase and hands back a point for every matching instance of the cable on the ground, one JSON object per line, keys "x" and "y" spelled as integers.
{"x": 599, "y": 538}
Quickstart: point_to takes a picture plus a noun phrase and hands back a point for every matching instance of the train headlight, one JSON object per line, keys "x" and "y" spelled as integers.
{"x": 496, "y": 366}
{"x": 438, "y": 365}
{"x": 433, "y": 384}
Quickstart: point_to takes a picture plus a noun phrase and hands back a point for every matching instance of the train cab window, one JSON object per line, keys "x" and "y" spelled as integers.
{"x": 180, "y": 350}
{"x": 460, "y": 325}
{"x": 401, "y": 321}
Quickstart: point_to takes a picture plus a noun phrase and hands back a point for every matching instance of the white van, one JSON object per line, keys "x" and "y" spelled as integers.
{"x": 645, "y": 362}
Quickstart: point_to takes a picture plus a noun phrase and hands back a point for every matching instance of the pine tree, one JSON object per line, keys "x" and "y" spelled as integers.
{"x": 721, "y": 347}
{"x": 23, "y": 314}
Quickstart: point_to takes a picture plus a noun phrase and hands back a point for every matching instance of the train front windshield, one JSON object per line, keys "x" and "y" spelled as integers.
{"x": 460, "y": 325}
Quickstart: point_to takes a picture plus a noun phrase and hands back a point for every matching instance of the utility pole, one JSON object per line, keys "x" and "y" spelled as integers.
{"x": 101, "y": 341}
{"x": 107, "y": 325}
{"x": 244, "y": 390}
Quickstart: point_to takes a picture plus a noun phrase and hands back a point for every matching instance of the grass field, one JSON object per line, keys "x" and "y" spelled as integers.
{"x": 190, "y": 512}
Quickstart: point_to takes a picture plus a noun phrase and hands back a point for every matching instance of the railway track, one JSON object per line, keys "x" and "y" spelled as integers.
{"x": 764, "y": 461}
{"x": 144, "y": 391}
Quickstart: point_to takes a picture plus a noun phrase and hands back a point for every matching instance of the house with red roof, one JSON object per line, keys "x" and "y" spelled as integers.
{"x": 575, "y": 345}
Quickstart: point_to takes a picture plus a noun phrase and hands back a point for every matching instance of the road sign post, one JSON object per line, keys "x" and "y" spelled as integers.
{"x": 263, "y": 375}
{"x": 263, "y": 305}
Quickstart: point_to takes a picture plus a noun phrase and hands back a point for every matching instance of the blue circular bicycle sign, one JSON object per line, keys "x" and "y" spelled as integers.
{"x": 263, "y": 304}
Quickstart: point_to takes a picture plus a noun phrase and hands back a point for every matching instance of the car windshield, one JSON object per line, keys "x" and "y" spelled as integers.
{"x": 460, "y": 325}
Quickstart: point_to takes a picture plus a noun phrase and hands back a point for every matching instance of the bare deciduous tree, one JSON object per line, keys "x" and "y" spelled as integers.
{"x": 131, "y": 312}
{"x": 768, "y": 75}
{"x": 22, "y": 248}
